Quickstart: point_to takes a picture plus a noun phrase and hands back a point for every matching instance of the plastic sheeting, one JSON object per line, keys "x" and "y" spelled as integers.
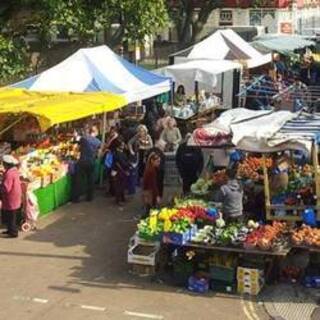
{"x": 281, "y": 43}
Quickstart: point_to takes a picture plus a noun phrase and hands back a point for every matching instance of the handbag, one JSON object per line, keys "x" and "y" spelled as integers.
{"x": 108, "y": 161}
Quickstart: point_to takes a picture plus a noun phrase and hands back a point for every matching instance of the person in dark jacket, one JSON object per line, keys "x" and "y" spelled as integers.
{"x": 189, "y": 160}
{"x": 120, "y": 172}
{"x": 89, "y": 146}
{"x": 158, "y": 149}
{"x": 150, "y": 186}
{"x": 231, "y": 197}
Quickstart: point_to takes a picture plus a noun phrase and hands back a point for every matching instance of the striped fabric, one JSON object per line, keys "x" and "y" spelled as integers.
{"x": 304, "y": 126}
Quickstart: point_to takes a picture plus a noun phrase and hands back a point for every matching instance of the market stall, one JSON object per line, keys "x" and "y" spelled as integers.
{"x": 44, "y": 157}
{"x": 77, "y": 88}
{"x": 222, "y": 254}
{"x": 207, "y": 85}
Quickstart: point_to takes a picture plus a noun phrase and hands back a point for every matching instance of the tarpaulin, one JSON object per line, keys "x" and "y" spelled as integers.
{"x": 54, "y": 108}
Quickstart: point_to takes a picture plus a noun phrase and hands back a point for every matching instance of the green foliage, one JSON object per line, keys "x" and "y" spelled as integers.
{"x": 13, "y": 60}
{"x": 184, "y": 17}
{"x": 84, "y": 18}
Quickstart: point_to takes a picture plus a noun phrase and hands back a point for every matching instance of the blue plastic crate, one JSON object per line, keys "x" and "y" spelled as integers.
{"x": 198, "y": 285}
{"x": 178, "y": 239}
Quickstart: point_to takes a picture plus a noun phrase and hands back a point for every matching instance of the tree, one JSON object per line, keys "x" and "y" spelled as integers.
{"x": 13, "y": 60}
{"x": 191, "y": 14}
{"x": 84, "y": 18}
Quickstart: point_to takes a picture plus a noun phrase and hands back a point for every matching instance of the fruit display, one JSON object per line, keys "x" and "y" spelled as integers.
{"x": 306, "y": 236}
{"x": 252, "y": 168}
{"x": 219, "y": 178}
{"x": 201, "y": 187}
{"x": 45, "y": 160}
{"x": 299, "y": 189}
{"x": 264, "y": 237}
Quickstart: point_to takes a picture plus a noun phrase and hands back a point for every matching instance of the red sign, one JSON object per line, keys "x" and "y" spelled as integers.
{"x": 286, "y": 27}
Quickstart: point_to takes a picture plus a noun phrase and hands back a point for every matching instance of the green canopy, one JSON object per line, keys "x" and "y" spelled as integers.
{"x": 281, "y": 43}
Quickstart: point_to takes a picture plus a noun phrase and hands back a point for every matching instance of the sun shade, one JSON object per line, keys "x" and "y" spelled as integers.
{"x": 54, "y": 108}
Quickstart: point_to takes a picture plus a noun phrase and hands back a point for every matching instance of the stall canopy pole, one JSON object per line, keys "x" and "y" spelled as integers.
{"x": 172, "y": 98}
{"x": 11, "y": 125}
{"x": 103, "y": 140}
{"x": 266, "y": 188}
{"x": 316, "y": 175}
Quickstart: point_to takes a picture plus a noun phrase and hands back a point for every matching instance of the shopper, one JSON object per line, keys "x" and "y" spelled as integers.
{"x": 180, "y": 96}
{"x": 11, "y": 195}
{"x": 120, "y": 172}
{"x": 171, "y": 135}
{"x": 89, "y": 146}
{"x": 151, "y": 193}
{"x": 108, "y": 152}
{"x": 140, "y": 143}
{"x": 159, "y": 150}
{"x": 189, "y": 160}
{"x": 231, "y": 197}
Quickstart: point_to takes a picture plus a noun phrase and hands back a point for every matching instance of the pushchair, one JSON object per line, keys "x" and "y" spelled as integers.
{"x": 30, "y": 212}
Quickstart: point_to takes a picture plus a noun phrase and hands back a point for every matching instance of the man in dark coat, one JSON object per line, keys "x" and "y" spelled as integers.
{"x": 189, "y": 160}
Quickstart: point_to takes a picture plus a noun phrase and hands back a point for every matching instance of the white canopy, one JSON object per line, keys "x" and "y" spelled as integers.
{"x": 228, "y": 45}
{"x": 202, "y": 71}
{"x": 98, "y": 69}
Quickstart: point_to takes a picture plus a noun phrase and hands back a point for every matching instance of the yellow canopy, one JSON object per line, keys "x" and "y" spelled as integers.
{"x": 53, "y": 108}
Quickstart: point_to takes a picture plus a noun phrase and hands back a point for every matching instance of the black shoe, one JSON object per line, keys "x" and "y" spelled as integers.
{"x": 12, "y": 236}
{"x": 5, "y": 232}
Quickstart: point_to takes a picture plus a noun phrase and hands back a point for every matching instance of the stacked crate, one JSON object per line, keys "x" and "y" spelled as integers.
{"x": 250, "y": 280}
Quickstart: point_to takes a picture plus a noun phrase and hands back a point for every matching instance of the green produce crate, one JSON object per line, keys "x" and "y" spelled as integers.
{"x": 62, "y": 190}
{"x": 223, "y": 286}
{"x": 46, "y": 199}
{"x": 222, "y": 273}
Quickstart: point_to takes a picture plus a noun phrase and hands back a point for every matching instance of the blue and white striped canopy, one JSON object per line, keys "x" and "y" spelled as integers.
{"x": 304, "y": 126}
{"x": 98, "y": 69}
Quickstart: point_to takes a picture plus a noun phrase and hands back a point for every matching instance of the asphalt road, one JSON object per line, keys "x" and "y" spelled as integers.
{"x": 74, "y": 267}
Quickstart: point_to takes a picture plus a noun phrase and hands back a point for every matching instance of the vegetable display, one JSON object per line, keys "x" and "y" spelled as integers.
{"x": 264, "y": 237}
{"x": 222, "y": 234}
{"x": 201, "y": 186}
{"x": 306, "y": 236}
{"x": 252, "y": 168}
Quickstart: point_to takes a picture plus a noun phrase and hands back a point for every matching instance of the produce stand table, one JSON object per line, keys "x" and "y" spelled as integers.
{"x": 281, "y": 253}
{"x": 270, "y": 207}
{"x": 54, "y": 195}
{"x": 58, "y": 193}
{"x": 311, "y": 249}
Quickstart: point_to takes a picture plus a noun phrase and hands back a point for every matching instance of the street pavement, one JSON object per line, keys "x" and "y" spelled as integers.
{"x": 74, "y": 267}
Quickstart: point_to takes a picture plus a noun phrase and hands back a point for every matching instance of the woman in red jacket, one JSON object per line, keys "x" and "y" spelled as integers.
{"x": 11, "y": 195}
{"x": 151, "y": 192}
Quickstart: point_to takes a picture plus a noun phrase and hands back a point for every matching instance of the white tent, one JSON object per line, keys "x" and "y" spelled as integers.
{"x": 203, "y": 71}
{"x": 212, "y": 76}
{"x": 98, "y": 69}
{"x": 228, "y": 45}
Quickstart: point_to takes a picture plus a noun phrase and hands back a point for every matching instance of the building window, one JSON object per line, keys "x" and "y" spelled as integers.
{"x": 226, "y": 18}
